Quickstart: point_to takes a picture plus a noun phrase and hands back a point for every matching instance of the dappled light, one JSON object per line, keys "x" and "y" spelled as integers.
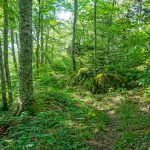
{"x": 75, "y": 75}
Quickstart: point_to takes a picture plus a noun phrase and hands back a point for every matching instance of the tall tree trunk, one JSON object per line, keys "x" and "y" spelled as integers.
{"x": 38, "y": 36}
{"x": 13, "y": 50}
{"x": 74, "y": 35}
{"x": 46, "y": 44}
{"x": 42, "y": 39}
{"x": 3, "y": 82}
{"x": 95, "y": 36}
{"x": 140, "y": 11}
{"x": 53, "y": 39}
{"x": 53, "y": 42}
{"x": 109, "y": 35}
{"x": 25, "y": 100}
{"x": 6, "y": 64}
{"x": 17, "y": 42}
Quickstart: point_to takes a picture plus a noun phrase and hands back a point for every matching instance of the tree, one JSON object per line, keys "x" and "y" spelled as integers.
{"x": 42, "y": 33}
{"x": 25, "y": 99}
{"x": 38, "y": 35}
{"x": 17, "y": 42}
{"x": 13, "y": 50}
{"x": 6, "y": 64}
{"x": 74, "y": 35}
{"x": 95, "y": 36}
{"x": 3, "y": 82}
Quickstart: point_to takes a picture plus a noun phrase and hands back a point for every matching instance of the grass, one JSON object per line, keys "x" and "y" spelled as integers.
{"x": 134, "y": 127}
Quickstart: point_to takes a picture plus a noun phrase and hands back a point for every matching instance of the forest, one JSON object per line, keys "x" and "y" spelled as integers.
{"x": 74, "y": 74}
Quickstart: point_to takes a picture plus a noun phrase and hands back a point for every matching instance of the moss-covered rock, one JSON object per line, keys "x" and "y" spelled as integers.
{"x": 81, "y": 76}
{"x": 100, "y": 84}
{"x": 103, "y": 82}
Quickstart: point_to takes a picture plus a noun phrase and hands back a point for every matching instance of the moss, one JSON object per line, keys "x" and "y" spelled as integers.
{"x": 100, "y": 84}
{"x": 83, "y": 73}
{"x": 103, "y": 82}
{"x": 81, "y": 76}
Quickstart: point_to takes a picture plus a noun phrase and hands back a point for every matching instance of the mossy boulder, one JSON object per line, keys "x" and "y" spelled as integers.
{"x": 103, "y": 82}
{"x": 81, "y": 76}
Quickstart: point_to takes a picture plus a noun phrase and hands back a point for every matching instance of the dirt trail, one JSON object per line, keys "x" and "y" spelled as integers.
{"x": 106, "y": 140}
{"x": 111, "y": 134}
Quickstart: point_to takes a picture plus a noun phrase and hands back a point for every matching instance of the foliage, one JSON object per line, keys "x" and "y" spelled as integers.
{"x": 74, "y": 106}
{"x": 66, "y": 123}
{"x": 134, "y": 130}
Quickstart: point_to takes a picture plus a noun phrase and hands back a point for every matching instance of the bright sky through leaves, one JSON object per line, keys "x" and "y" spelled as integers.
{"x": 64, "y": 15}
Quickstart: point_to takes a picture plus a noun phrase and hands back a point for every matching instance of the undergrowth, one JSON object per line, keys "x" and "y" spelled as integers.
{"x": 67, "y": 118}
{"x": 64, "y": 123}
{"x": 133, "y": 127}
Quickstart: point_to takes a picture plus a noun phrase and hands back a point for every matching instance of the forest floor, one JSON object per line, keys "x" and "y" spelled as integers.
{"x": 106, "y": 140}
{"x": 112, "y": 104}
{"x": 73, "y": 119}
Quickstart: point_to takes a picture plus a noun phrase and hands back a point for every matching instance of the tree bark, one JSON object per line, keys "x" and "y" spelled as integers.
{"x": 3, "y": 82}
{"x": 46, "y": 44}
{"x": 6, "y": 64}
{"x": 13, "y": 50}
{"x": 140, "y": 10}
{"x": 42, "y": 37}
{"x": 109, "y": 35}
{"x": 38, "y": 36}
{"x": 95, "y": 36}
{"x": 25, "y": 100}
{"x": 17, "y": 42}
{"x": 74, "y": 36}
